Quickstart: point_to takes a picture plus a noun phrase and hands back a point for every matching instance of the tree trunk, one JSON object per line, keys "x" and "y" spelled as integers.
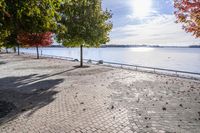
{"x": 37, "y": 52}
{"x": 14, "y": 49}
{"x": 6, "y": 50}
{"x": 18, "y": 49}
{"x": 81, "y": 56}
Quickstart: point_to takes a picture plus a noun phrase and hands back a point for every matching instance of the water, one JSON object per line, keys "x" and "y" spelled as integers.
{"x": 184, "y": 59}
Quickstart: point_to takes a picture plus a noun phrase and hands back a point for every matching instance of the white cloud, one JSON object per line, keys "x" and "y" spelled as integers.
{"x": 161, "y": 30}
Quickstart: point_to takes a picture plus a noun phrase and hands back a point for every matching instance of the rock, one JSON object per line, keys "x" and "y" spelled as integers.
{"x": 75, "y": 60}
{"x": 138, "y": 100}
{"x": 164, "y": 109}
{"x": 22, "y": 110}
{"x": 192, "y": 87}
{"x": 100, "y": 62}
{"x": 89, "y": 61}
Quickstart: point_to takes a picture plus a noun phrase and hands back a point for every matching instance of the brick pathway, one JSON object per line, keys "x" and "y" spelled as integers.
{"x": 54, "y": 96}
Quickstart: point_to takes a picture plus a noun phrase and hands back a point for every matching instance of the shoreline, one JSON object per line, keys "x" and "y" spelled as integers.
{"x": 53, "y": 95}
{"x": 153, "y": 70}
{"x": 186, "y": 60}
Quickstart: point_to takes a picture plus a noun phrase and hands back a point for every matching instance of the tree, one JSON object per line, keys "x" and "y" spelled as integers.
{"x": 35, "y": 40}
{"x": 5, "y": 42}
{"x": 29, "y": 16}
{"x": 188, "y": 13}
{"x": 4, "y": 32}
{"x": 87, "y": 24}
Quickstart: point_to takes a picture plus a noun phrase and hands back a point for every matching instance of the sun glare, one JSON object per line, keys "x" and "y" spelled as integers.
{"x": 141, "y": 8}
{"x": 141, "y": 49}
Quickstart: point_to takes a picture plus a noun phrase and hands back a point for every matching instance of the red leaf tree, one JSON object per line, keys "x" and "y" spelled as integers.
{"x": 188, "y": 13}
{"x": 35, "y": 40}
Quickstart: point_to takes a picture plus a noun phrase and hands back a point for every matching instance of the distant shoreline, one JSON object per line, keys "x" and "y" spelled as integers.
{"x": 135, "y": 46}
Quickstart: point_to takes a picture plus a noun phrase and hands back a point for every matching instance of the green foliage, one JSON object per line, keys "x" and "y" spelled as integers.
{"x": 75, "y": 22}
{"x": 31, "y": 16}
{"x": 39, "y": 16}
{"x": 86, "y": 23}
{"x": 4, "y": 34}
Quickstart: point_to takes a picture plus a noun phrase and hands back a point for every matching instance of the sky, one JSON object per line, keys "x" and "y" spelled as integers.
{"x": 150, "y": 22}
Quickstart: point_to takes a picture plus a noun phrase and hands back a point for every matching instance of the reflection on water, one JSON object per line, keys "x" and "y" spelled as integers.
{"x": 186, "y": 59}
{"x": 141, "y": 49}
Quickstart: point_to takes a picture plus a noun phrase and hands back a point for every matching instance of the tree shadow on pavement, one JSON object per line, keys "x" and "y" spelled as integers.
{"x": 27, "y": 93}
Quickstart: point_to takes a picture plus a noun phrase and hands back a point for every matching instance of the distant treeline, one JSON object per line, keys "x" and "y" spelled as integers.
{"x": 132, "y": 46}
{"x": 128, "y": 46}
{"x": 150, "y": 46}
{"x": 194, "y": 46}
{"x": 122, "y": 46}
